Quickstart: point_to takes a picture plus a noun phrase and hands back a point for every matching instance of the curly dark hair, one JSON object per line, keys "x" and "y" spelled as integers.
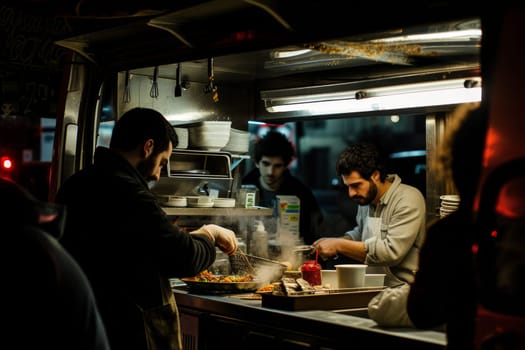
{"x": 274, "y": 144}
{"x": 365, "y": 158}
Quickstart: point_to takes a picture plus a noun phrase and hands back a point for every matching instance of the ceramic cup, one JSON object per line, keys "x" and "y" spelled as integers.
{"x": 329, "y": 279}
{"x": 374, "y": 279}
{"x": 351, "y": 275}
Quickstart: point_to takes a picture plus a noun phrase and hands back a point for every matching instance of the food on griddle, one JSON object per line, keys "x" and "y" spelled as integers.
{"x": 207, "y": 276}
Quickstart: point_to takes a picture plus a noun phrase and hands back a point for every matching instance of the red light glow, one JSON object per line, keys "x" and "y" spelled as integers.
{"x": 6, "y": 163}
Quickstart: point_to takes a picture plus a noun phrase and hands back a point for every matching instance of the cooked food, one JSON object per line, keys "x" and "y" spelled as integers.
{"x": 267, "y": 288}
{"x": 207, "y": 276}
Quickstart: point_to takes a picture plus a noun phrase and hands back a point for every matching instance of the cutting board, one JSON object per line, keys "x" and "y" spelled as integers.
{"x": 336, "y": 299}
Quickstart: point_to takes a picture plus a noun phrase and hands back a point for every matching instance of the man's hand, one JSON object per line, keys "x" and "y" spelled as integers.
{"x": 223, "y": 238}
{"x": 326, "y": 247}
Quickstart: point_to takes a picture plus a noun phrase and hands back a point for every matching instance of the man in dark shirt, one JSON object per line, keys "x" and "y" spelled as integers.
{"x": 272, "y": 156}
{"x": 123, "y": 239}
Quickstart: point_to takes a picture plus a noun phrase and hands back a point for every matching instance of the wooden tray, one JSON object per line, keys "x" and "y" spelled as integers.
{"x": 336, "y": 299}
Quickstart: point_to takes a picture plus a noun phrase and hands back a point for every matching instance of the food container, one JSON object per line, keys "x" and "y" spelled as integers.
{"x": 224, "y": 202}
{"x": 248, "y": 196}
{"x": 351, "y": 275}
{"x": 329, "y": 279}
{"x": 200, "y": 201}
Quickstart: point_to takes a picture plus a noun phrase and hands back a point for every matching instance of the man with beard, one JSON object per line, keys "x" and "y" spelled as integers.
{"x": 390, "y": 218}
{"x": 121, "y": 237}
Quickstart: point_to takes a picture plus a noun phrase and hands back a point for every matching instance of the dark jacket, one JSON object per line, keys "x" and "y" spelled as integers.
{"x": 444, "y": 291}
{"x": 124, "y": 241}
{"x": 43, "y": 284}
{"x": 311, "y": 217}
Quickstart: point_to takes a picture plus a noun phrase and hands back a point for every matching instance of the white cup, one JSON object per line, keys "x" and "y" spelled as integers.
{"x": 329, "y": 279}
{"x": 351, "y": 275}
{"x": 375, "y": 279}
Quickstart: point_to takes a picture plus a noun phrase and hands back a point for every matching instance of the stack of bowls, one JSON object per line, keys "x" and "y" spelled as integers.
{"x": 209, "y": 135}
{"x": 239, "y": 141}
{"x": 449, "y": 204}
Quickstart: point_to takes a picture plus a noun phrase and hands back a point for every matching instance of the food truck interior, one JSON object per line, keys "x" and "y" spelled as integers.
{"x": 325, "y": 74}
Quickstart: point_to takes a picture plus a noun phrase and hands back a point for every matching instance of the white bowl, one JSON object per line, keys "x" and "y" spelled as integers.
{"x": 224, "y": 202}
{"x": 200, "y": 201}
{"x": 173, "y": 201}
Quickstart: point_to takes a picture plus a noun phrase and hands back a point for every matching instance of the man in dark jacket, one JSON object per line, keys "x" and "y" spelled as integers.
{"x": 48, "y": 301}
{"x": 122, "y": 238}
{"x": 272, "y": 156}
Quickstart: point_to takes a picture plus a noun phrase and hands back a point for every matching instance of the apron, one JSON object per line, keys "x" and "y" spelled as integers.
{"x": 372, "y": 228}
{"x": 162, "y": 323}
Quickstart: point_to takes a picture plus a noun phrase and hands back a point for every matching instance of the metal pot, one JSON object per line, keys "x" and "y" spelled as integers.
{"x": 301, "y": 253}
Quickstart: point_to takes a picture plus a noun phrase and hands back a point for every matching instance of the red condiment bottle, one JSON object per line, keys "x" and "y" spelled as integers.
{"x": 311, "y": 271}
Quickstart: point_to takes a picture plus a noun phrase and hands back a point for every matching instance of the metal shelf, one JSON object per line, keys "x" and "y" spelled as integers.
{"x": 186, "y": 211}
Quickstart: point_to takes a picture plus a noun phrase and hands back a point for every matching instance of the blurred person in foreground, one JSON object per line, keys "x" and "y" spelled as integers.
{"x": 444, "y": 291}
{"x": 272, "y": 155}
{"x": 123, "y": 239}
{"x": 390, "y": 217}
{"x": 48, "y": 301}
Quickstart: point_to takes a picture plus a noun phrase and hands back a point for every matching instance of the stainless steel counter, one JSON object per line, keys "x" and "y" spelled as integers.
{"x": 314, "y": 329}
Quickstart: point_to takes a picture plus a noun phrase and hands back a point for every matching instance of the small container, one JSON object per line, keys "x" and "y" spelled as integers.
{"x": 248, "y": 196}
{"x": 311, "y": 272}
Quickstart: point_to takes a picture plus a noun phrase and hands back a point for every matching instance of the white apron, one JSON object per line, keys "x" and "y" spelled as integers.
{"x": 372, "y": 228}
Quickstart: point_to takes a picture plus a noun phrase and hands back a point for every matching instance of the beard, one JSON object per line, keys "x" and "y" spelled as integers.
{"x": 372, "y": 193}
{"x": 145, "y": 168}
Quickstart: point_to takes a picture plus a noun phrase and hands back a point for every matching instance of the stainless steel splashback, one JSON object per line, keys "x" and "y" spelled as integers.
{"x": 192, "y": 172}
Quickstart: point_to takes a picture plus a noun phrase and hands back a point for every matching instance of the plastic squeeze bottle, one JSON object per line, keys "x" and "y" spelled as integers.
{"x": 260, "y": 239}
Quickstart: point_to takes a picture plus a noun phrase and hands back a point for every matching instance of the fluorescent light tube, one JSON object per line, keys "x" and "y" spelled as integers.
{"x": 429, "y": 94}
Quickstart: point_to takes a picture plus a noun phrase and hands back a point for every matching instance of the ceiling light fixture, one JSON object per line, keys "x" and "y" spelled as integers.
{"x": 290, "y": 53}
{"x": 455, "y": 34}
{"x": 345, "y": 98}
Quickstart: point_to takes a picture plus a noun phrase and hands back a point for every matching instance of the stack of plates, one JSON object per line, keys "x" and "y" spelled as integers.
{"x": 172, "y": 201}
{"x": 449, "y": 204}
{"x": 210, "y": 135}
{"x": 239, "y": 141}
{"x": 183, "y": 136}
